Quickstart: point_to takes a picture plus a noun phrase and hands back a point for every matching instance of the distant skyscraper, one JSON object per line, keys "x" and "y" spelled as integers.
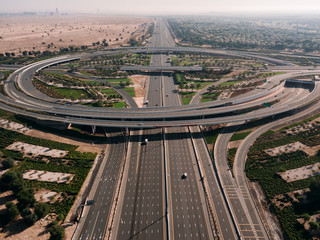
{"x": 57, "y": 11}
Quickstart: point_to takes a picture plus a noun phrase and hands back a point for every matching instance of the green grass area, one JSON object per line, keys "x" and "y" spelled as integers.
{"x": 110, "y": 92}
{"x": 210, "y": 96}
{"x": 5, "y": 75}
{"x": 75, "y": 93}
{"x": 211, "y": 136}
{"x": 117, "y": 80}
{"x": 119, "y": 104}
{"x": 186, "y": 100}
{"x": 186, "y": 97}
{"x": 86, "y": 73}
{"x": 240, "y": 136}
{"x": 130, "y": 91}
{"x": 231, "y": 156}
{"x": 229, "y": 83}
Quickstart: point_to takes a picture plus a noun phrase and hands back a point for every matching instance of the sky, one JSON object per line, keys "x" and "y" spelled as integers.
{"x": 162, "y": 6}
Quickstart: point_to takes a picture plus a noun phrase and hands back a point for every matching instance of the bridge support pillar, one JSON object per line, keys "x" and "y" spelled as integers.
{"x": 93, "y": 129}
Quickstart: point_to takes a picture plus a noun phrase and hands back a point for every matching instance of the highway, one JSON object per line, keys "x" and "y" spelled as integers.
{"x": 187, "y": 209}
{"x": 142, "y": 210}
{"x": 94, "y": 223}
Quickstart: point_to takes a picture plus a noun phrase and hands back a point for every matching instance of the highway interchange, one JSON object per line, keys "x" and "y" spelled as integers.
{"x": 139, "y": 191}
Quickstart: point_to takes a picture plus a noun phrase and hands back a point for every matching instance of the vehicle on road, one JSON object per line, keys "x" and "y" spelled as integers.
{"x": 184, "y": 176}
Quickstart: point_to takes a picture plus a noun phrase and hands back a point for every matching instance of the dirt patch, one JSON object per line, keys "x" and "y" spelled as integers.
{"x": 84, "y": 146}
{"x": 301, "y": 173}
{"x": 293, "y": 147}
{"x": 36, "y": 150}
{"x": 139, "y": 84}
{"x": 51, "y": 33}
{"x": 13, "y": 126}
{"x": 46, "y": 176}
{"x": 20, "y": 231}
{"x": 46, "y": 196}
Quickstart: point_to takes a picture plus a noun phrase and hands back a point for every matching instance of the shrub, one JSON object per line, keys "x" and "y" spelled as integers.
{"x": 305, "y": 216}
{"x": 12, "y": 211}
{"x": 56, "y": 232}
{"x": 8, "y": 163}
{"x": 25, "y": 199}
{"x": 25, "y": 212}
{"x": 31, "y": 219}
{"x": 41, "y": 209}
{"x": 314, "y": 225}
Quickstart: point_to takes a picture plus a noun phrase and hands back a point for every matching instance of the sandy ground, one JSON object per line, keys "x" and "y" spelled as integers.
{"x": 19, "y": 231}
{"x": 13, "y": 126}
{"x": 139, "y": 84}
{"x": 45, "y": 196}
{"x": 292, "y": 147}
{"x": 301, "y": 173}
{"x": 36, "y": 150}
{"x": 21, "y": 33}
{"x": 46, "y": 176}
{"x": 83, "y": 146}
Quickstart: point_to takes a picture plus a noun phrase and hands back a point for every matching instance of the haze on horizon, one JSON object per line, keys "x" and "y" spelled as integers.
{"x": 163, "y": 6}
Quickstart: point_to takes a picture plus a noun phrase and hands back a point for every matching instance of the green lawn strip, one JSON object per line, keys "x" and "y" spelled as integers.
{"x": 239, "y": 136}
{"x": 229, "y": 83}
{"x": 231, "y": 155}
{"x": 211, "y": 136}
{"x": 119, "y": 104}
{"x": 75, "y": 93}
{"x": 186, "y": 97}
{"x": 5, "y": 74}
{"x": 210, "y": 96}
{"x": 86, "y": 73}
{"x": 130, "y": 91}
{"x": 110, "y": 92}
{"x": 117, "y": 80}
{"x": 186, "y": 100}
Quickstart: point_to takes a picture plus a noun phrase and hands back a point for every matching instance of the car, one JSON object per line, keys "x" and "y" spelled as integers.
{"x": 184, "y": 176}
{"x": 146, "y": 102}
{"x": 145, "y": 142}
{"x": 157, "y": 89}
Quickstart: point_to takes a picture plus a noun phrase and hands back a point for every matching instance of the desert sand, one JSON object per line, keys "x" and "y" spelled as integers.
{"x": 19, "y": 33}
